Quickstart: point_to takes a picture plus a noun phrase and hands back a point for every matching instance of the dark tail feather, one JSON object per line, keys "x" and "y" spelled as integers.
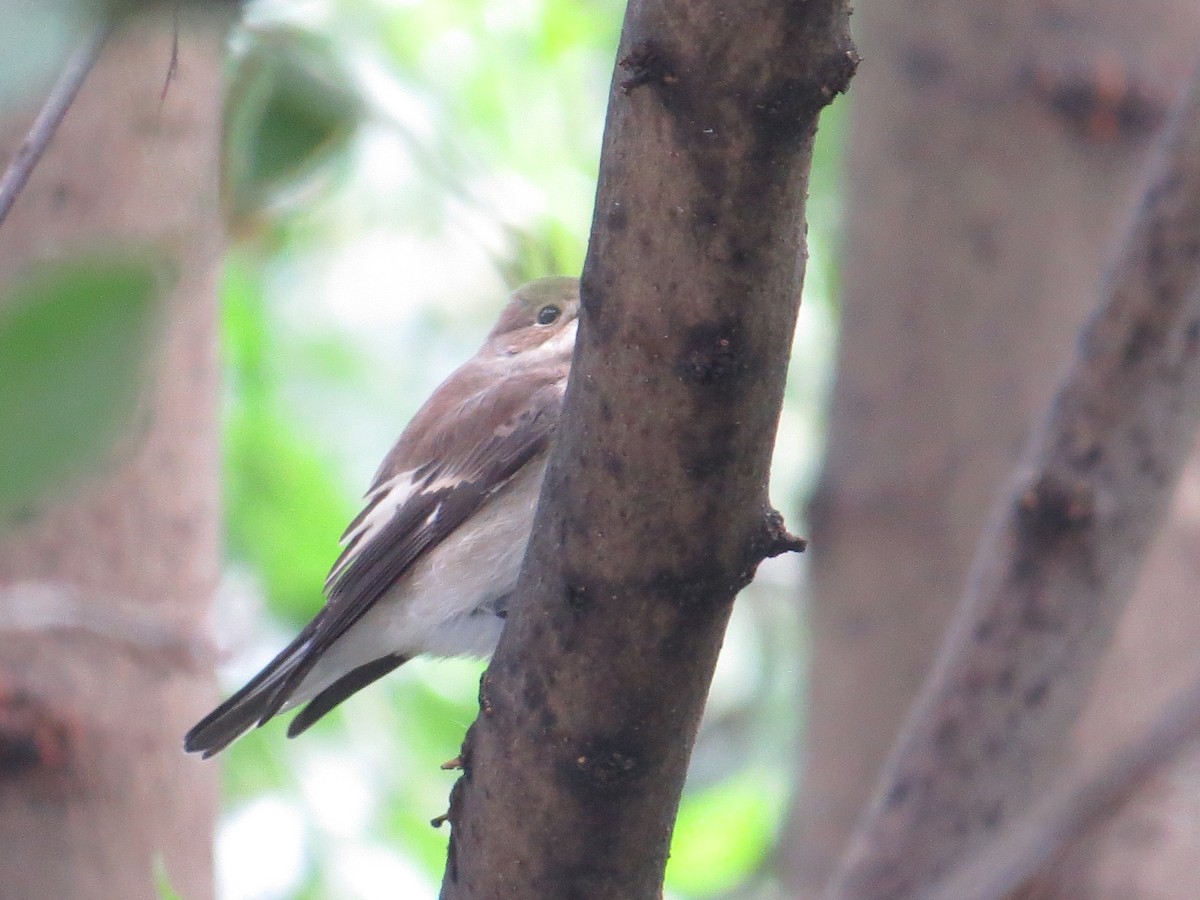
{"x": 350, "y": 683}
{"x": 256, "y": 702}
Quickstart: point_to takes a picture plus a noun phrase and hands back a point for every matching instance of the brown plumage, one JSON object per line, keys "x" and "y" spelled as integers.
{"x": 428, "y": 565}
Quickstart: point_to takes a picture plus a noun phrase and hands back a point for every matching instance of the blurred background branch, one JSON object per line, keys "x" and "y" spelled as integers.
{"x": 1083, "y": 801}
{"x": 1058, "y": 562}
{"x": 21, "y": 166}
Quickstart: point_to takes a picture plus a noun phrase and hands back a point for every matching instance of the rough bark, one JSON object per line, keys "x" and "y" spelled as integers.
{"x": 993, "y": 154}
{"x": 104, "y": 590}
{"x": 1059, "y": 561}
{"x": 654, "y": 513}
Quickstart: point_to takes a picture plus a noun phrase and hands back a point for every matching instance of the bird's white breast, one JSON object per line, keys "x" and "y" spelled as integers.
{"x": 435, "y": 607}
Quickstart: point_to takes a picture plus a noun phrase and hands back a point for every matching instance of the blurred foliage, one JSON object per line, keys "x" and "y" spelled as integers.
{"x": 724, "y": 832}
{"x": 281, "y": 495}
{"x": 74, "y": 339}
{"x": 390, "y": 168}
{"x": 289, "y": 112}
{"x": 163, "y": 889}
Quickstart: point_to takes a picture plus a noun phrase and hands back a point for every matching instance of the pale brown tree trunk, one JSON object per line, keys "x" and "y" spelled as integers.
{"x": 104, "y": 591}
{"x": 1058, "y": 562}
{"x": 986, "y": 190}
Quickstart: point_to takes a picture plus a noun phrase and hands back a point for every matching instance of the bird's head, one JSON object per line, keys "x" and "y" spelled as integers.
{"x": 540, "y": 316}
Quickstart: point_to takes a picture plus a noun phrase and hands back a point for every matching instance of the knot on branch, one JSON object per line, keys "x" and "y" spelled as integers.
{"x": 647, "y": 62}
{"x": 786, "y": 108}
{"x": 771, "y": 539}
{"x": 799, "y": 98}
{"x": 774, "y": 538}
{"x": 605, "y": 766}
{"x": 32, "y": 738}
{"x": 1102, "y": 100}
{"x": 1052, "y": 507}
{"x": 715, "y": 357}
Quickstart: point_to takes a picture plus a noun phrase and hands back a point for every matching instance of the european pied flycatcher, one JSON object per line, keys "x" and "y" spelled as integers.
{"x": 428, "y": 565}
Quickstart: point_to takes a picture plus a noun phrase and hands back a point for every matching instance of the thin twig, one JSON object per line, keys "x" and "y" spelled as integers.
{"x": 1069, "y": 813}
{"x": 173, "y": 65}
{"x": 74, "y": 73}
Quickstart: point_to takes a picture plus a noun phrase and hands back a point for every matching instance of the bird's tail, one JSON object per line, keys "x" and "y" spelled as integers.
{"x": 253, "y": 705}
{"x": 281, "y": 685}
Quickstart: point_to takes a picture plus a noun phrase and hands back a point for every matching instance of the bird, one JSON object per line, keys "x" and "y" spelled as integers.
{"x": 429, "y": 564}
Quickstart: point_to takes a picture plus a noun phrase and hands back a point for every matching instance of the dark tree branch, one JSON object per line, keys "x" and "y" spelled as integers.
{"x": 62, "y": 95}
{"x": 1084, "y": 802}
{"x": 1053, "y": 573}
{"x": 654, "y": 513}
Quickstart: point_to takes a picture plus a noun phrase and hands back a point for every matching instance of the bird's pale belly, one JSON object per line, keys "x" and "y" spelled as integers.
{"x": 449, "y": 594}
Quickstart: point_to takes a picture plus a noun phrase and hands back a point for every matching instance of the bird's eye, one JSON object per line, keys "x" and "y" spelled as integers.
{"x": 548, "y": 314}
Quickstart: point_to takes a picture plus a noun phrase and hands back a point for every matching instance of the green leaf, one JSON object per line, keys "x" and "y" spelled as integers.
{"x": 290, "y": 111}
{"x": 722, "y": 834}
{"x": 74, "y": 337}
{"x": 163, "y": 889}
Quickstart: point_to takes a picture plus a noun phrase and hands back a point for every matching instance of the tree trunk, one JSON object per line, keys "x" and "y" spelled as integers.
{"x": 654, "y": 512}
{"x": 1059, "y": 561}
{"x": 119, "y": 570}
{"x": 992, "y": 163}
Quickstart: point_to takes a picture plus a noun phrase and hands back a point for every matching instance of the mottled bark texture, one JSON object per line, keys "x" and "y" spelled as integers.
{"x": 105, "y": 587}
{"x": 1078, "y": 805}
{"x": 654, "y": 512}
{"x": 994, "y": 154}
{"x": 1059, "y": 560}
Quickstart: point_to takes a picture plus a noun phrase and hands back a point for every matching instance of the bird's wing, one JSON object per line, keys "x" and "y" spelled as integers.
{"x": 411, "y": 508}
